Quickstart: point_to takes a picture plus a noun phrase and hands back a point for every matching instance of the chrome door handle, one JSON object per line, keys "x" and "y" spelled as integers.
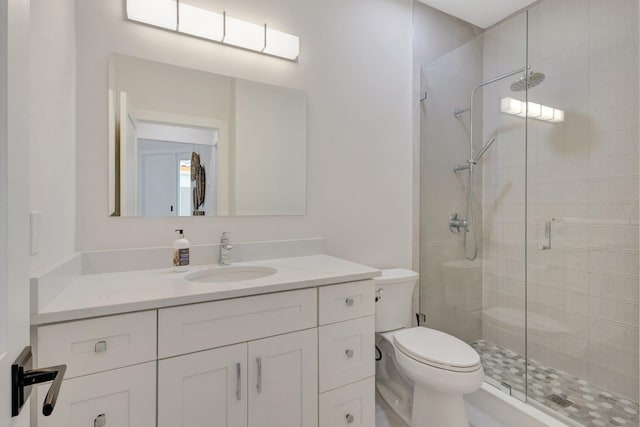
{"x": 238, "y": 381}
{"x": 259, "y": 386}
{"x": 100, "y": 421}
{"x": 349, "y": 302}
{"x": 349, "y": 353}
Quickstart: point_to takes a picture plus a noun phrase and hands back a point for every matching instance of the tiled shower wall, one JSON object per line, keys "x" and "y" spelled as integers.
{"x": 582, "y": 294}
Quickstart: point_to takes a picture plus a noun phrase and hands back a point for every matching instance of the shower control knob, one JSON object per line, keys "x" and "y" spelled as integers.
{"x": 350, "y": 418}
{"x": 456, "y": 223}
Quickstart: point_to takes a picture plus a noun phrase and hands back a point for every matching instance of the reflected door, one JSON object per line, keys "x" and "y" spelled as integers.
{"x": 159, "y": 185}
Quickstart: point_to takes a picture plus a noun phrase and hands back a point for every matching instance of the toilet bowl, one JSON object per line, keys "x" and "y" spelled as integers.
{"x": 423, "y": 374}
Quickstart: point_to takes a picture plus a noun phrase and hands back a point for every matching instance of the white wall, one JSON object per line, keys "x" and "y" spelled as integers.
{"x": 358, "y": 80}
{"x": 14, "y": 195}
{"x": 53, "y": 129}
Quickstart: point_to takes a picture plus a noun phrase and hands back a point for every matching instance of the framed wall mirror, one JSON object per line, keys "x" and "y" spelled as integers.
{"x": 184, "y": 142}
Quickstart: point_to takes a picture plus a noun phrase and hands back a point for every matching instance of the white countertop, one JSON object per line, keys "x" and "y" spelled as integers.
{"x": 104, "y": 294}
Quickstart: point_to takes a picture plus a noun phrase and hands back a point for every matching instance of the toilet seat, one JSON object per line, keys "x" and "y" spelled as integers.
{"x": 437, "y": 349}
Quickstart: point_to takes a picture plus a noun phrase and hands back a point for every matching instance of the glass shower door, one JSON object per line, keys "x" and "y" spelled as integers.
{"x": 582, "y": 211}
{"x": 479, "y": 299}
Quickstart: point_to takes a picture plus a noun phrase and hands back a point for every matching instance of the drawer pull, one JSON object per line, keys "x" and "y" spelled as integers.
{"x": 238, "y": 381}
{"x": 101, "y": 347}
{"x": 349, "y": 302}
{"x": 350, "y": 418}
{"x": 259, "y": 386}
{"x": 349, "y": 353}
{"x": 100, "y": 421}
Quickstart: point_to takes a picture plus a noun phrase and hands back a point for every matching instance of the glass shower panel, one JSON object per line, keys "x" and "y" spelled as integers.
{"x": 582, "y": 211}
{"x": 481, "y": 299}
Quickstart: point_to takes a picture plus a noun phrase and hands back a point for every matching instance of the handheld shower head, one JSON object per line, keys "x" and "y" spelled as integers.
{"x": 484, "y": 149}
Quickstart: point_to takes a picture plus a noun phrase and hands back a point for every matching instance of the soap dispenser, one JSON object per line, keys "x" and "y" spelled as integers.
{"x": 180, "y": 252}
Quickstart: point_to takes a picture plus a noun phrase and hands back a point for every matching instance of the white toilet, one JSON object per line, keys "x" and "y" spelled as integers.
{"x": 421, "y": 373}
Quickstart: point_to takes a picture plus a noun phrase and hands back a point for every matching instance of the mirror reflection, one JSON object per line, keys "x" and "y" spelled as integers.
{"x": 184, "y": 142}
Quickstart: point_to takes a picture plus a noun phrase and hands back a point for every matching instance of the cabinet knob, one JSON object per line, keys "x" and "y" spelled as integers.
{"x": 349, "y": 353}
{"x": 100, "y": 421}
{"x": 349, "y": 302}
{"x": 350, "y": 418}
{"x": 101, "y": 347}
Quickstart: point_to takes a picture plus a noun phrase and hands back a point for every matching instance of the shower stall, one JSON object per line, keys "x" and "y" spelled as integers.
{"x": 529, "y": 206}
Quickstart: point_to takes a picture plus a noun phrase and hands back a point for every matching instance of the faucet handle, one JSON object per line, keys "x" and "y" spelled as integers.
{"x": 225, "y": 235}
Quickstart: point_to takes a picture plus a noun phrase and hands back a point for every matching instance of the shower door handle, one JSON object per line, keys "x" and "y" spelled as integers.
{"x": 546, "y": 245}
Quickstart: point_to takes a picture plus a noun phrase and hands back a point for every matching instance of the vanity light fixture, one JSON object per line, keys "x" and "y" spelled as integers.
{"x": 162, "y": 14}
{"x": 532, "y": 110}
{"x": 176, "y": 15}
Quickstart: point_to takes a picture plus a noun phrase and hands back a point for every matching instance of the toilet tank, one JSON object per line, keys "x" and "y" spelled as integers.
{"x": 394, "y": 295}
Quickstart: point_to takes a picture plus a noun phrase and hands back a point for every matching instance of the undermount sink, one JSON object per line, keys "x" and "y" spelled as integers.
{"x": 230, "y": 274}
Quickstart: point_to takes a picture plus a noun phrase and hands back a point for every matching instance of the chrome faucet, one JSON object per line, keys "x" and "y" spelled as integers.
{"x": 225, "y": 249}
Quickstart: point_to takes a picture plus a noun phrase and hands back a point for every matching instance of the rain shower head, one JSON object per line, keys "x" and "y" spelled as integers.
{"x": 534, "y": 80}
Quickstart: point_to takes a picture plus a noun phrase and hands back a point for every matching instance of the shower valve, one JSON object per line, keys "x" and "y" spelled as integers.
{"x": 456, "y": 223}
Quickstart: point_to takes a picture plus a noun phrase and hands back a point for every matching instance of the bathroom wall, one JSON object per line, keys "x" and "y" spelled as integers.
{"x": 14, "y": 193}
{"x": 358, "y": 80}
{"x": 583, "y": 179}
{"x": 52, "y": 118}
{"x": 441, "y": 142}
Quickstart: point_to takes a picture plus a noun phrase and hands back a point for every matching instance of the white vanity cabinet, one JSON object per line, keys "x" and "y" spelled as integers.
{"x": 277, "y": 388}
{"x": 297, "y": 358}
{"x": 263, "y": 382}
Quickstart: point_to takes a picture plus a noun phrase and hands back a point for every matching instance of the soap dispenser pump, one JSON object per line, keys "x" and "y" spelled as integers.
{"x": 180, "y": 252}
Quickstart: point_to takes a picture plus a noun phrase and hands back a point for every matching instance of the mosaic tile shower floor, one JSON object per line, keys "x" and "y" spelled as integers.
{"x": 590, "y": 405}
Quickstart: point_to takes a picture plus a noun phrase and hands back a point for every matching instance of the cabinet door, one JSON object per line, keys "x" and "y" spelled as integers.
{"x": 208, "y": 388}
{"x": 124, "y": 397}
{"x": 283, "y": 380}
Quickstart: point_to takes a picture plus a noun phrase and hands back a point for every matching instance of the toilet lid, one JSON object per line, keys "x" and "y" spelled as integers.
{"x": 437, "y": 349}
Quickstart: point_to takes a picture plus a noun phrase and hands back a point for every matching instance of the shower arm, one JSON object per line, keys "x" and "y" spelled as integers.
{"x": 472, "y": 161}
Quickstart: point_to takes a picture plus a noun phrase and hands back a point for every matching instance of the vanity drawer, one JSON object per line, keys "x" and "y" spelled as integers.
{"x": 346, "y": 301}
{"x": 346, "y": 352}
{"x": 124, "y": 397}
{"x": 349, "y": 406}
{"x": 95, "y": 345}
{"x": 209, "y": 325}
